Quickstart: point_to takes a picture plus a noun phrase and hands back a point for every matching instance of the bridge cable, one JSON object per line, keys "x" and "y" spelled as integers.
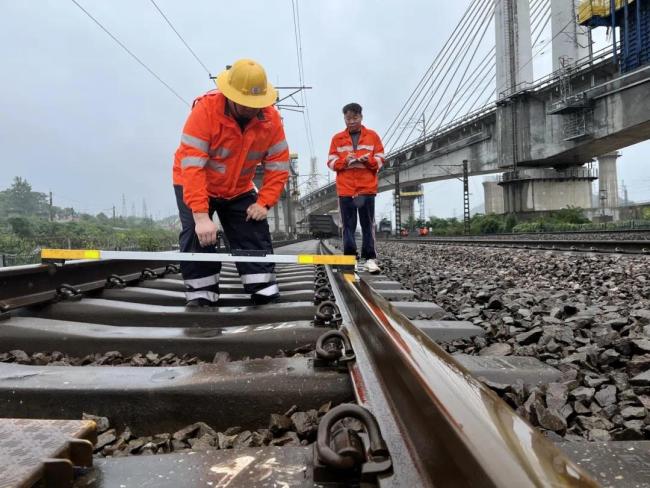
{"x": 130, "y": 53}
{"x": 448, "y": 63}
{"x": 535, "y": 54}
{"x": 430, "y": 71}
{"x": 535, "y": 10}
{"x": 469, "y": 64}
{"x": 443, "y": 69}
{"x": 480, "y": 70}
{"x": 464, "y": 50}
{"x": 535, "y": 18}
{"x": 467, "y": 17}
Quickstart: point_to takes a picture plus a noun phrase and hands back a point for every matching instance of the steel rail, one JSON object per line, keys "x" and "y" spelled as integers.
{"x": 443, "y": 427}
{"x": 600, "y": 246}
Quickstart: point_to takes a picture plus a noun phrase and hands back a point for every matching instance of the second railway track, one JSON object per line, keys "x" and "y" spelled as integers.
{"x": 236, "y": 396}
{"x": 624, "y": 246}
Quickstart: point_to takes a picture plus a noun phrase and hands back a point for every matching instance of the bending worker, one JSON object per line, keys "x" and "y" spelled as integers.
{"x": 356, "y": 155}
{"x": 227, "y": 134}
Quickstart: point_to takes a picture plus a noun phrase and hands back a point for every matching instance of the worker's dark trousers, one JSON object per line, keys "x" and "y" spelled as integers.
{"x": 365, "y": 206}
{"x": 202, "y": 278}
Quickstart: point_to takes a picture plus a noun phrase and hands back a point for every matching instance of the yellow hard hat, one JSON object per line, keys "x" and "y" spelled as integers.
{"x": 245, "y": 83}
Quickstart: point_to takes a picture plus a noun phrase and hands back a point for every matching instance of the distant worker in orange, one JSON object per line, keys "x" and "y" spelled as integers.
{"x": 356, "y": 155}
{"x": 229, "y": 132}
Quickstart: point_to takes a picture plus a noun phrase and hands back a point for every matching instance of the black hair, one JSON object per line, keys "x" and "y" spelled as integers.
{"x": 355, "y": 108}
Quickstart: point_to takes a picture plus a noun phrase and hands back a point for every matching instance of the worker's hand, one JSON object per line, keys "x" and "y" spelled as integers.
{"x": 256, "y": 212}
{"x": 205, "y": 229}
{"x": 365, "y": 158}
{"x": 350, "y": 158}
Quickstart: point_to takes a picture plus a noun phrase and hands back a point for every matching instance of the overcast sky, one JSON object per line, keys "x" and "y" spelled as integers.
{"x": 82, "y": 119}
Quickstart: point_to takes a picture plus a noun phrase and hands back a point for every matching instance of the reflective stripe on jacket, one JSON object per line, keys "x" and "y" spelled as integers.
{"x": 356, "y": 178}
{"x": 216, "y": 159}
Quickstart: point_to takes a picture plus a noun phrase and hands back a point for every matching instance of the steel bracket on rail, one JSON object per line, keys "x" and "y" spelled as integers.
{"x": 148, "y": 274}
{"x": 333, "y": 348}
{"x": 115, "y": 281}
{"x": 328, "y": 315}
{"x": 340, "y": 453}
{"x": 322, "y": 294}
{"x": 68, "y": 292}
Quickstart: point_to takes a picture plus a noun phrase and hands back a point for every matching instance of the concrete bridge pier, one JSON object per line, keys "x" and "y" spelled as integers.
{"x": 408, "y": 197}
{"x": 531, "y": 190}
{"x": 493, "y": 196}
{"x": 608, "y": 184}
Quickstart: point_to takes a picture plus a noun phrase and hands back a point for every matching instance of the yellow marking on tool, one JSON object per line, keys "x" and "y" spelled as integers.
{"x": 326, "y": 259}
{"x": 70, "y": 254}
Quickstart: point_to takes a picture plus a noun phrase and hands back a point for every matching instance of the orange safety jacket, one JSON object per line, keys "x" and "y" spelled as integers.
{"x": 356, "y": 178}
{"x": 216, "y": 159}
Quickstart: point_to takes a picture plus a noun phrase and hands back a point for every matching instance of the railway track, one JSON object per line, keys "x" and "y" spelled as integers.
{"x": 632, "y": 246}
{"x": 108, "y": 381}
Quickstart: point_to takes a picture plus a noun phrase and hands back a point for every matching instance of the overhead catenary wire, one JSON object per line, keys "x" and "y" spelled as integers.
{"x": 130, "y": 53}
{"x": 301, "y": 75}
{"x": 207, "y": 70}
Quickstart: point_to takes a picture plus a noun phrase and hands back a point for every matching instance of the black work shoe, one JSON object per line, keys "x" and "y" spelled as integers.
{"x": 263, "y": 300}
{"x": 200, "y": 303}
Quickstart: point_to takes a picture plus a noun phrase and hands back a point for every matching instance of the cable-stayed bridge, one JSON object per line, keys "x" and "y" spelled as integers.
{"x": 479, "y": 102}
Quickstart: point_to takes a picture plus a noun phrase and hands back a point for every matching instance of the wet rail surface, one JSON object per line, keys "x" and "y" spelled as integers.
{"x": 425, "y": 404}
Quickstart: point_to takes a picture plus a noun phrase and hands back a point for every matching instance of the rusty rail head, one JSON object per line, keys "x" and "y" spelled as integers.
{"x": 457, "y": 431}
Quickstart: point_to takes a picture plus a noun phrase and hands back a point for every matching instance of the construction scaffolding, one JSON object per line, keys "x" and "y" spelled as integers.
{"x": 594, "y": 11}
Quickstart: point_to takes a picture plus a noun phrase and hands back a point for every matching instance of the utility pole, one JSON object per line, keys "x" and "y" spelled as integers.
{"x": 398, "y": 205}
{"x": 466, "y": 215}
{"x": 51, "y": 209}
{"x": 124, "y": 206}
{"x": 113, "y": 214}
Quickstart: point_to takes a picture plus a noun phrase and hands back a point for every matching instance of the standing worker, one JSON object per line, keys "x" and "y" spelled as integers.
{"x": 356, "y": 155}
{"x": 227, "y": 134}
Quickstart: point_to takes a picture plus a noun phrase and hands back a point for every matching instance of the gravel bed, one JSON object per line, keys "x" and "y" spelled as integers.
{"x": 115, "y": 358}
{"x": 578, "y": 236}
{"x": 588, "y": 316}
{"x": 291, "y": 428}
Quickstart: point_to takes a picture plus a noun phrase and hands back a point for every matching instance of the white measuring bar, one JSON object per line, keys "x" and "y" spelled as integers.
{"x": 173, "y": 256}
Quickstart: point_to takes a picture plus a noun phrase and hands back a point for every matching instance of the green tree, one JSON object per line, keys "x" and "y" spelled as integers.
{"x": 22, "y": 227}
{"x": 21, "y": 200}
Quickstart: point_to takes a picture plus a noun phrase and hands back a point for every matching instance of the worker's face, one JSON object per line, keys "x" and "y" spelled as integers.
{"x": 352, "y": 121}
{"x": 242, "y": 112}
